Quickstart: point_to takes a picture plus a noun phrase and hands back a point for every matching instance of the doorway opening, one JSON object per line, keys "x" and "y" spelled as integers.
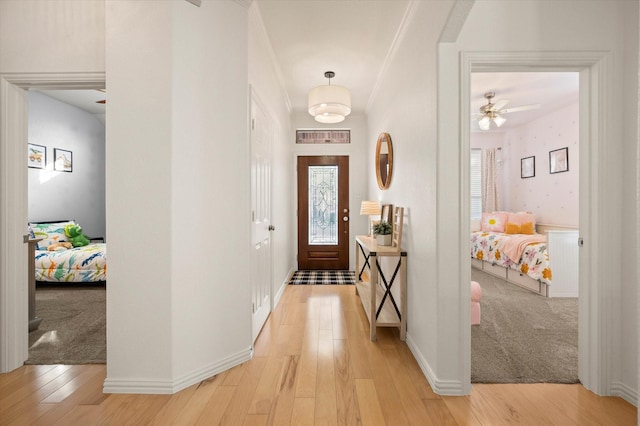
{"x": 520, "y": 121}
{"x": 66, "y": 187}
{"x": 13, "y": 201}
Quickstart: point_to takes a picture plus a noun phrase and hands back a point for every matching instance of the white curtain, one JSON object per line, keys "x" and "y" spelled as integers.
{"x": 490, "y": 191}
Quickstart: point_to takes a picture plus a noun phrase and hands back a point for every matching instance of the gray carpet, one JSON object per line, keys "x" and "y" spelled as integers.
{"x": 73, "y": 328}
{"x": 523, "y": 337}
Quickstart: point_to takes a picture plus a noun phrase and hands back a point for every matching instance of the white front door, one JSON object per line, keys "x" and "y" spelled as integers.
{"x": 261, "y": 138}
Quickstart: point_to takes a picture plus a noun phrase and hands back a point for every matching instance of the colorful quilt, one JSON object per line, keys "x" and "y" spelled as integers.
{"x": 534, "y": 261}
{"x": 79, "y": 264}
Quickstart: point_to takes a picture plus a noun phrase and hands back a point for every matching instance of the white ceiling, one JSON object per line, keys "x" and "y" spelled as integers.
{"x": 83, "y": 99}
{"x": 353, "y": 39}
{"x": 552, "y": 90}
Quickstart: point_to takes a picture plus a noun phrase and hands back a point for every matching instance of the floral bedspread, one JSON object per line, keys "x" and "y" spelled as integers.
{"x": 79, "y": 264}
{"x": 534, "y": 261}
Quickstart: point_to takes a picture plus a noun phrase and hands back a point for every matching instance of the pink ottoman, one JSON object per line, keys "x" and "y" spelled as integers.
{"x": 476, "y": 295}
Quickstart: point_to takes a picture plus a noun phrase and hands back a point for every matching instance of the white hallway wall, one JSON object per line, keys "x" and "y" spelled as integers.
{"x": 185, "y": 315}
{"x": 77, "y": 195}
{"x": 405, "y": 107}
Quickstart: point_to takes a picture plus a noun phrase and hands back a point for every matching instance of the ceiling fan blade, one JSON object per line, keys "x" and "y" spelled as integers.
{"x": 520, "y": 108}
{"x": 499, "y": 104}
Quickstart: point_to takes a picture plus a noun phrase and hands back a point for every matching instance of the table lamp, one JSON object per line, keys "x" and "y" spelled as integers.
{"x": 370, "y": 208}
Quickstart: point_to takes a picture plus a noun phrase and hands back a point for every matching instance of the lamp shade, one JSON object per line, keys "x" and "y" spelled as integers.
{"x": 370, "y": 208}
{"x": 329, "y": 104}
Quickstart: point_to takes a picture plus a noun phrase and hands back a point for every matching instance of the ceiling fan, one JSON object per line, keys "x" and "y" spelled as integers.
{"x": 492, "y": 111}
{"x": 101, "y": 101}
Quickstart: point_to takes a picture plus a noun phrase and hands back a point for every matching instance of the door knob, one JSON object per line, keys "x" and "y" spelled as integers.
{"x": 272, "y": 228}
{"x": 346, "y": 218}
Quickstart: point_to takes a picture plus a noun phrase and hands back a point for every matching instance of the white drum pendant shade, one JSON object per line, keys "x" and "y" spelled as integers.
{"x": 329, "y": 104}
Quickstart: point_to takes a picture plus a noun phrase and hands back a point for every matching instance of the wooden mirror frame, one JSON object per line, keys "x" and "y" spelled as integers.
{"x": 384, "y": 178}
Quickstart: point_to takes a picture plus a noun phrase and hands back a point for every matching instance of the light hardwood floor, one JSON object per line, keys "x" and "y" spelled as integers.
{"x": 313, "y": 365}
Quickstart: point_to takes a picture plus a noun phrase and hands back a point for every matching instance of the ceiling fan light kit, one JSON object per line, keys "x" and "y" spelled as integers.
{"x": 329, "y": 104}
{"x": 491, "y": 111}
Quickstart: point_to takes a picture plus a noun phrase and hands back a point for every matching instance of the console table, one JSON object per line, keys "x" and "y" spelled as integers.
{"x": 379, "y": 304}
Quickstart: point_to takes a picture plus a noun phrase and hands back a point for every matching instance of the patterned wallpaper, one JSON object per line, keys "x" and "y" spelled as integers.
{"x": 553, "y": 198}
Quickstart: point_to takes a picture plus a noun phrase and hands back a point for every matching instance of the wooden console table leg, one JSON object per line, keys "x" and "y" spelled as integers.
{"x": 357, "y": 265}
{"x": 403, "y": 292}
{"x": 373, "y": 259}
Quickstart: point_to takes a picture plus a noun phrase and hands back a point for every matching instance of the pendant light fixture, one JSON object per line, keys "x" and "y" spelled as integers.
{"x": 329, "y": 104}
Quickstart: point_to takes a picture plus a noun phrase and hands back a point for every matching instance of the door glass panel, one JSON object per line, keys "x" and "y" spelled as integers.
{"x": 323, "y": 205}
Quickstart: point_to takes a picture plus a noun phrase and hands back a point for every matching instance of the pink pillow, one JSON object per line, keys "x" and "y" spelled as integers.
{"x": 493, "y": 222}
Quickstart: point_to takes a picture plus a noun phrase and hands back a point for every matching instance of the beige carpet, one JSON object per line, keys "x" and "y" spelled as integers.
{"x": 523, "y": 337}
{"x": 73, "y": 328}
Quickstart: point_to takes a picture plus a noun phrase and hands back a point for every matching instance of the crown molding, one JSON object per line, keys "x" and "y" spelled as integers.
{"x": 256, "y": 17}
{"x": 455, "y": 21}
{"x": 245, "y": 3}
{"x": 393, "y": 49}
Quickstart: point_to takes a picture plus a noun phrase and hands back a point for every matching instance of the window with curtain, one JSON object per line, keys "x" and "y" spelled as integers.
{"x": 476, "y": 184}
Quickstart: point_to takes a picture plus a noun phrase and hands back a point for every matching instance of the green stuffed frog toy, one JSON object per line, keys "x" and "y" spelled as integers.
{"x": 74, "y": 233}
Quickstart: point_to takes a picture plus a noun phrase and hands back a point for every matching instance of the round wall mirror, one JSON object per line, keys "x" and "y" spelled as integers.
{"x": 384, "y": 160}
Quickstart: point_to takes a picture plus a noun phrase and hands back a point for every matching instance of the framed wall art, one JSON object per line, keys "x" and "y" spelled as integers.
{"x": 386, "y": 213}
{"x": 559, "y": 160}
{"x": 63, "y": 160}
{"x": 527, "y": 167}
{"x": 36, "y": 156}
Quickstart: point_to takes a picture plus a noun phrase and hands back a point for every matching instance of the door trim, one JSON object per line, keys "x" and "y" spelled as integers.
{"x": 13, "y": 203}
{"x": 596, "y": 89}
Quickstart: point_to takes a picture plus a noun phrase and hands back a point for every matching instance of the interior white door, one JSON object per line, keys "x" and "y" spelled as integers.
{"x": 261, "y": 141}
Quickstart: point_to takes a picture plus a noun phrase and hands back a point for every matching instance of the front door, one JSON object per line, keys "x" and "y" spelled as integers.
{"x": 323, "y": 213}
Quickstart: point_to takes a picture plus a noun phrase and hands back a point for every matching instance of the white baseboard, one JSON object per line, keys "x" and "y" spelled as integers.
{"x": 144, "y": 386}
{"x": 441, "y": 387}
{"x": 625, "y": 392}
{"x": 283, "y": 286}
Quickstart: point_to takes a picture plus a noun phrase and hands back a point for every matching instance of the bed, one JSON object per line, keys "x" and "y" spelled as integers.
{"x": 86, "y": 264}
{"x": 542, "y": 259}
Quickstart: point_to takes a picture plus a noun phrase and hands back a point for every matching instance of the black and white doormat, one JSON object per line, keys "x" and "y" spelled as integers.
{"x": 323, "y": 278}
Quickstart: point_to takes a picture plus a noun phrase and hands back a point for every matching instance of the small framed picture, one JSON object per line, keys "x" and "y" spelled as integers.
{"x": 386, "y": 213}
{"x": 559, "y": 160}
{"x": 527, "y": 167}
{"x": 63, "y": 160}
{"x": 36, "y": 156}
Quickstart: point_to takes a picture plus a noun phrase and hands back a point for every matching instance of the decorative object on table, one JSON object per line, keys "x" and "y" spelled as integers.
{"x": 386, "y": 214}
{"x": 370, "y": 208}
{"x": 384, "y": 160}
{"x": 383, "y": 231}
{"x": 74, "y": 233}
{"x": 527, "y": 167}
{"x": 63, "y": 160}
{"x": 329, "y": 104}
{"x": 36, "y": 156}
{"x": 559, "y": 160}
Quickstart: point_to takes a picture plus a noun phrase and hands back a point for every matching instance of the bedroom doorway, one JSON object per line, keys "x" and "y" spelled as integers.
{"x": 70, "y": 302}
{"x": 323, "y": 212}
{"x": 525, "y": 119}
